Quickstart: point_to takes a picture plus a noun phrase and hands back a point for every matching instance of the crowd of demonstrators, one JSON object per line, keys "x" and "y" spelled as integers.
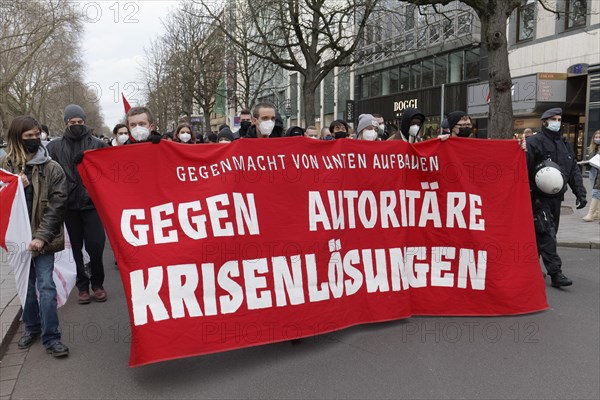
{"x": 81, "y": 218}
{"x": 45, "y": 188}
{"x": 594, "y": 150}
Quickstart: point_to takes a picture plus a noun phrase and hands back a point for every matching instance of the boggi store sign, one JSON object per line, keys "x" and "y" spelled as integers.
{"x": 402, "y": 105}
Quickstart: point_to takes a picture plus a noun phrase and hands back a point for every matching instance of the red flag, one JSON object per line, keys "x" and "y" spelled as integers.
{"x": 125, "y": 103}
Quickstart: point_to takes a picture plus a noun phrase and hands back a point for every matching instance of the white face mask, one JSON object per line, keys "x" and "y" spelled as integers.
{"x": 554, "y": 126}
{"x": 43, "y": 136}
{"x": 140, "y": 133}
{"x": 185, "y": 137}
{"x": 413, "y": 130}
{"x": 122, "y": 138}
{"x": 266, "y": 127}
{"x": 369, "y": 134}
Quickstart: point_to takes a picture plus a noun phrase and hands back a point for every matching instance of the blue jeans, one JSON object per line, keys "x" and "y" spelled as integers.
{"x": 40, "y": 314}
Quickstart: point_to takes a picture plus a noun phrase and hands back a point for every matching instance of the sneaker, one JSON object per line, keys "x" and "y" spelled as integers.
{"x": 99, "y": 294}
{"x": 27, "y": 339}
{"x": 84, "y": 298}
{"x": 559, "y": 280}
{"x": 57, "y": 350}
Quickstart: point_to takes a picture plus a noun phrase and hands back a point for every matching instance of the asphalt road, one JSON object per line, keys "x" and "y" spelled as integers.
{"x": 551, "y": 354}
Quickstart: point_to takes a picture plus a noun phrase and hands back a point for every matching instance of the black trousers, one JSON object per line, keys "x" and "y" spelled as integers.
{"x": 84, "y": 226}
{"x": 548, "y": 209}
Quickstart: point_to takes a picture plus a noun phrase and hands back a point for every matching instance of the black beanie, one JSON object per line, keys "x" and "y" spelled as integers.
{"x": 454, "y": 117}
{"x": 74, "y": 111}
{"x": 225, "y": 133}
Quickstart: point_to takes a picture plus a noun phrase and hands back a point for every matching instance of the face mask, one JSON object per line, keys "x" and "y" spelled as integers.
{"x": 340, "y": 135}
{"x": 313, "y": 137}
{"x": 244, "y": 125}
{"x": 224, "y": 141}
{"x": 43, "y": 136}
{"x": 554, "y": 126}
{"x": 464, "y": 132}
{"x": 266, "y": 127}
{"x": 185, "y": 137}
{"x": 140, "y": 133}
{"x": 328, "y": 138}
{"x": 369, "y": 134}
{"x": 597, "y": 141}
{"x": 122, "y": 138}
{"x": 413, "y": 130}
{"x": 78, "y": 130}
{"x": 381, "y": 128}
{"x": 31, "y": 145}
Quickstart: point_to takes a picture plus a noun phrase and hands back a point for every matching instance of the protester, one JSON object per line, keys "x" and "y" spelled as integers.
{"x": 184, "y": 134}
{"x": 140, "y": 122}
{"x": 546, "y": 146}
{"x": 45, "y": 188}
{"x": 245, "y": 123}
{"x": 312, "y": 132}
{"x": 121, "y": 135}
{"x": 410, "y": 126}
{"x": 225, "y": 136}
{"x": 459, "y": 124}
{"x": 367, "y": 127}
{"x": 527, "y": 132}
{"x": 382, "y": 132}
{"x": 294, "y": 131}
{"x": 326, "y": 134}
{"x": 81, "y": 218}
{"x": 594, "y": 211}
{"x": 339, "y": 129}
{"x": 212, "y": 137}
{"x": 263, "y": 121}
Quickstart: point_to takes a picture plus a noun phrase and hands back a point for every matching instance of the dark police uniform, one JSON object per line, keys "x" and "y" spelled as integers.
{"x": 546, "y": 145}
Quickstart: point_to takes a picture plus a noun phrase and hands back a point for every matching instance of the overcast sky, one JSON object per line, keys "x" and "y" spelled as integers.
{"x": 113, "y": 48}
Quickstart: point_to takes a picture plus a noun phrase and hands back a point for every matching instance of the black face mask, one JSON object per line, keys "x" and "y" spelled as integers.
{"x": 340, "y": 135}
{"x": 464, "y": 132}
{"x": 32, "y": 145}
{"x": 244, "y": 125}
{"x": 78, "y": 130}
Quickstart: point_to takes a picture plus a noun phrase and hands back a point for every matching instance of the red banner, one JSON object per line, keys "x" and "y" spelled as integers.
{"x": 258, "y": 241}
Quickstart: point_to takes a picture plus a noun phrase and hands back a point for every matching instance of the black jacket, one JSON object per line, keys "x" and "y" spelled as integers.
{"x": 550, "y": 145}
{"x": 65, "y": 151}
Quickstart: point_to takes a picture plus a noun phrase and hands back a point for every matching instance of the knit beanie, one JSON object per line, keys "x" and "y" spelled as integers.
{"x": 74, "y": 111}
{"x": 454, "y": 117}
{"x": 365, "y": 120}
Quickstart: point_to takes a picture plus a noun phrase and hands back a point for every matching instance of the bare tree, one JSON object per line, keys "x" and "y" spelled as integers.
{"x": 311, "y": 37}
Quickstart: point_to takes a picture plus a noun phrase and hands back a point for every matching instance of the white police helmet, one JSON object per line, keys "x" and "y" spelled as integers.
{"x": 549, "y": 179}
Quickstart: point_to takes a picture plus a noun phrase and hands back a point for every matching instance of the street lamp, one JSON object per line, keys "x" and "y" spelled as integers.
{"x": 288, "y": 108}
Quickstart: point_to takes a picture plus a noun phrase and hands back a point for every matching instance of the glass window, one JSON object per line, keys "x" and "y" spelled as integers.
{"x": 294, "y": 94}
{"x": 434, "y": 34}
{"x": 456, "y": 66}
{"x": 415, "y": 76}
{"x": 526, "y": 21}
{"x": 364, "y": 85}
{"x": 409, "y": 18}
{"x": 441, "y": 69}
{"x": 343, "y": 90}
{"x": 471, "y": 63}
{"x": 404, "y": 80}
{"x": 576, "y": 13}
{"x": 464, "y": 24}
{"x": 394, "y": 80}
{"x": 427, "y": 73}
{"x": 448, "y": 26}
{"x": 375, "y": 85}
{"x": 385, "y": 82}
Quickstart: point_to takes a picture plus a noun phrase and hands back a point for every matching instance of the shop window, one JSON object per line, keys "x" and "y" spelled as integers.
{"x": 471, "y": 63}
{"x": 441, "y": 69}
{"x": 526, "y": 21}
{"x": 576, "y": 13}
{"x": 427, "y": 73}
{"x": 455, "y": 66}
{"x": 343, "y": 88}
{"x": 404, "y": 79}
{"x": 394, "y": 80}
{"x": 415, "y": 76}
{"x": 375, "y": 85}
{"x": 364, "y": 85}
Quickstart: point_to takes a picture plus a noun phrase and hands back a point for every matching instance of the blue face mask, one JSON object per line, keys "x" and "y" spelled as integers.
{"x": 554, "y": 126}
{"x": 597, "y": 141}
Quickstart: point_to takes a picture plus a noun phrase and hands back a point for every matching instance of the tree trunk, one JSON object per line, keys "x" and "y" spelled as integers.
{"x": 207, "y": 127}
{"x": 493, "y": 26}
{"x": 308, "y": 92}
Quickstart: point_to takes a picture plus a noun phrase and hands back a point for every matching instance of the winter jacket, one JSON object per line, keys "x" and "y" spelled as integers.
{"x": 550, "y": 145}
{"x": 65, "y": 151}
{"x": 49, "y": 199}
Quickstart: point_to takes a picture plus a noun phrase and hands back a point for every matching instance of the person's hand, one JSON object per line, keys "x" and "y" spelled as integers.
{"x": 24, "y": 179}
{"x": 444, "y": 137}
{"x": 523, "y": 144}
{"x": 35, "y": 245}
{"x": 580, "y": 203}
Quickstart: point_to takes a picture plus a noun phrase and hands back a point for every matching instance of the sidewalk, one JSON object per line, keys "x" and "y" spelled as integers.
{"x": 573, "y": 232}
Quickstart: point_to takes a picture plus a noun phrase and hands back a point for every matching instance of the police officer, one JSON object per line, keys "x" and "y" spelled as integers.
{"x": 548, "y": 144}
